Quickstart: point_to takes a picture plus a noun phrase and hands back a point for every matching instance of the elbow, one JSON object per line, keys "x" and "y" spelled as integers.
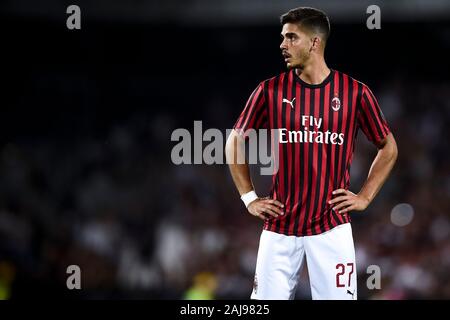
{"x": 395, "y": 154}
{"x": 393, "y": 150}
{"x": 389, "y": 149}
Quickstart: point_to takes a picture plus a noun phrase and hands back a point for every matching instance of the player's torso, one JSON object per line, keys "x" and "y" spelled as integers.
{"x": 315, "y": 126}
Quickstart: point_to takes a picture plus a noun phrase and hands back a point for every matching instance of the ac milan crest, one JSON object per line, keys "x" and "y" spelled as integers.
{"x": 336, "y": 103}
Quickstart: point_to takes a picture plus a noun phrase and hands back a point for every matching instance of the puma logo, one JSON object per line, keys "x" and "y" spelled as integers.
{"x": 351, "y": 293}
{"x": 290, "y": 102}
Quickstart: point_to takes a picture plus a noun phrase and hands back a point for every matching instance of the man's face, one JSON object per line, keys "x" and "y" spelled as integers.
{"x": 295, "y": 46}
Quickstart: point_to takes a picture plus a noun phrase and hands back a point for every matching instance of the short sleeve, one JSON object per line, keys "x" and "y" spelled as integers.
{"x": 370, "y": 117}
{"x": 254, "y": 115}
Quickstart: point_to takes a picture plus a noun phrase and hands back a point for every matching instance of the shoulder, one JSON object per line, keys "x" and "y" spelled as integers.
{"x": 362, "y": 87}
{"x": 274, "y": 79}
{"x": 351, "y": 79}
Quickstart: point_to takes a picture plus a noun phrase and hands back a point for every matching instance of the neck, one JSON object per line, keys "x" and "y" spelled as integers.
{"x": 315, "y": 72}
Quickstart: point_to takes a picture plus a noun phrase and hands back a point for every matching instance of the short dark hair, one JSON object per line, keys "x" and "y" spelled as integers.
{"x": 311, "y": 19}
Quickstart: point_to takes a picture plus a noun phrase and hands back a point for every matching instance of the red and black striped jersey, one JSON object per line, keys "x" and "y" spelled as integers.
{"x": 317, "y": 127}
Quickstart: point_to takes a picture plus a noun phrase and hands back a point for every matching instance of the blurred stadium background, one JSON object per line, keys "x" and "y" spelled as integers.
{"x": 86, "y": 118}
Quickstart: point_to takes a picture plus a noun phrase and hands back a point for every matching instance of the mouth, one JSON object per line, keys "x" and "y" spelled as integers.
{"x": 286, "y": 56}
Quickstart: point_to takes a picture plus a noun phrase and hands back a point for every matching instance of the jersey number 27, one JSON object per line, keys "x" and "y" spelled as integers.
{"x": 340, "y": 283}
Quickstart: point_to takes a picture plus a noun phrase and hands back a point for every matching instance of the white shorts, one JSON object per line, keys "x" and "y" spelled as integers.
{"x": 331, "y": 265}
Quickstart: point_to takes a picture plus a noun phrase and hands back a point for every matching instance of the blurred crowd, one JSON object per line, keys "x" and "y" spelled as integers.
{"x": 140, "y": 227}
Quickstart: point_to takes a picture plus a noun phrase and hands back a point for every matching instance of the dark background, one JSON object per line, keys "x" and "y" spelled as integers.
{"x": 86, "y": 176}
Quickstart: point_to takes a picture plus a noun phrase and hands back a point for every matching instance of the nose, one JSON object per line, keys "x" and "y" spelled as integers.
{"x": 283, "y": 45}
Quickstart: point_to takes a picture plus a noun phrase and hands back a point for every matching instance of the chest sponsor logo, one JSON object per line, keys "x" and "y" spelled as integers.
{"x": 311, "y": 133}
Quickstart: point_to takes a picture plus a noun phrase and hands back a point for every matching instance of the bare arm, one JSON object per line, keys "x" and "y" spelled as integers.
{"x": 234, "y": 152}
{"x": 378, "y": 173}
{"x": 235, "y": 155}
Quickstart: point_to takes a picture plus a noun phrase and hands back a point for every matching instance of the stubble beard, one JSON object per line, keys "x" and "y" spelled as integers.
{"x": 300, "y": 62}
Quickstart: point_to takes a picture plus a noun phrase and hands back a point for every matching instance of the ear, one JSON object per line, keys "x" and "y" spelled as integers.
{"x": 315, "y": 43}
